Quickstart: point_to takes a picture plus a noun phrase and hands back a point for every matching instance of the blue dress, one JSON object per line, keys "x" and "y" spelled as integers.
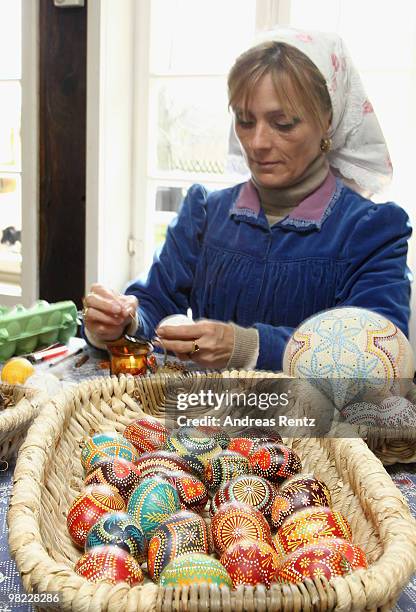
{"x": 222, "y": 259}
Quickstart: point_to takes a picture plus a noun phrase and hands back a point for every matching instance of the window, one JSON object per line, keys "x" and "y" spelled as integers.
{"x": 10, "y": 147}
{"x": 191, "y": 45}
{"x": 17, "y": 152}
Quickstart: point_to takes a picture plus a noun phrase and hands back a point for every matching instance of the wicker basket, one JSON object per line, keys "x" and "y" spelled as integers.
{"x": 48, "y": 476}
{"x": 16, "y": 418}
{"x": 399, "y": 449}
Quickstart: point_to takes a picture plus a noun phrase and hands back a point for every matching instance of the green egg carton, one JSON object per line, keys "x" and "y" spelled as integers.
{"x": 22, "y": 330}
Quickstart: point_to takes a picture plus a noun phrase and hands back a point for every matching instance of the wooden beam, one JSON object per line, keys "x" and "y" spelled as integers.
{"x": 62, "y": 137}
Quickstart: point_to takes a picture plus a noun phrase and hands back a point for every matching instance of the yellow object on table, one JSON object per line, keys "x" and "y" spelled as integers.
{"x": 16, "y": 371}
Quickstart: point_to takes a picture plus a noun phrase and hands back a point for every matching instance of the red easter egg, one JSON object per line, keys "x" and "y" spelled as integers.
{"x": 313, "y": 561}
{"x": 354, "y": 554}
{"x": 109, "y": 564}
{"x": 247, "y": 446}
{"x": 275, "y": 462}
{"x": 146, "y": 435}
{"x": 297, "y": 493}
{"x": 91, "y": 504}
{"x": 118, "y": 473}
{"x": 307, "y": 526}
{"x": 236, "y": 521}
{"x": 250, "y": 563}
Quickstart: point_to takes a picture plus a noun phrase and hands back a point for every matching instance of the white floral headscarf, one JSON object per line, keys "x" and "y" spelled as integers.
{"x": 359, "y": 151}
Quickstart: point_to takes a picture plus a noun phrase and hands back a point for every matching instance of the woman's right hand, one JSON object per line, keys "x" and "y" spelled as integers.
{"x": 106, "y": 313}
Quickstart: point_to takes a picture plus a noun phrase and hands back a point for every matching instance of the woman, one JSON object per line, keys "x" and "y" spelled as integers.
{"x": 255, "y": 260}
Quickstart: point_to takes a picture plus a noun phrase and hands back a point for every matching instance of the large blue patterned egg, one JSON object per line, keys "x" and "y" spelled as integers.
{"x": 184, "y": 532}
{"x": 350, "y": 354}
{"x": 104, "y": 445}
{"x": 118, "y": 529}
{"x": 191, "y": 441}
{"x": 152, "y": 502}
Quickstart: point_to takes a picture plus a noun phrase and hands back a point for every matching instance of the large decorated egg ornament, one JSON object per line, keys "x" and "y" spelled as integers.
{"x": 146, "y": 435}
{"x": 105, "y": 445}
{"x": 118, "y": 473}
{"x": 88, "y": 507}
{"x": 235, "y": 521}
{"x": 184, "y": 532}
{"x": 195, "y": 569}
{"x": 249, "y": 562}
{"x": 353, "y": 352}
{"x": 248, "y": 489}
{"x": 118, "y": 529}
{"x": 109, "y": 564}
{"x": 275, "y": 462}
{"x": 152, "y": 502}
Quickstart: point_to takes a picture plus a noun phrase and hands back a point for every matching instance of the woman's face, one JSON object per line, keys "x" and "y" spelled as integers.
{"x": 278, "y": 148}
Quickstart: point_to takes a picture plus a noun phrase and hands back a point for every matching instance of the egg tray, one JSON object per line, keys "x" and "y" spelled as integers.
{"x": 22, "y": 330}
{"x": 21, "y": 406}
{"x": 48, "y": 476}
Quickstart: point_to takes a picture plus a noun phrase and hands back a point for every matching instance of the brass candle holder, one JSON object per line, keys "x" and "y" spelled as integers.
{"x": 131, "y": 355}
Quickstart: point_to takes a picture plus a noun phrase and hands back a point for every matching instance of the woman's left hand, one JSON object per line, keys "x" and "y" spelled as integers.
{"x": 208, "y": 343}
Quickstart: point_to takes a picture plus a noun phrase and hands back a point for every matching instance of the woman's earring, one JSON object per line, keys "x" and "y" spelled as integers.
{"x": 325, "y": 145}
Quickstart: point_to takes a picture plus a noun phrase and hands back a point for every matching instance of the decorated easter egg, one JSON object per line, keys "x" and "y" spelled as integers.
{"x": 192, "y": 492}
{"x": 195, "y": 465}
{"x": 248, "y": 489}
{"x": 306, "y": 526}
{"x": 224, "y": 467}
{"x": 275, "y": 462}
{"x": 146, "y": 435}
{"x": 195, "y": 569}
{"x": 90, "y": 505}
{"x": 109, "y": 564}
{"x": 354, "y": 554}
{"x": 247, "y": 446}
{"x": 351, "y": 354}
{"x": 150, "y": 462}
{"x": 182, "y": 533}
{"x": 152, "y": 502}
{"x": 118, "y": 529}
{"x": 218, "y": 433}
{"x": 191, "y": 441}
{"x": 102, "y": 446}
{"x": 297, "y": 493}
{"x": 236, "y": 521}
{"x": 313, "y": 561}
{"x": 393, "y": 411}
{"x": 118, "y": 473}
{"x": 250, "y": 563}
